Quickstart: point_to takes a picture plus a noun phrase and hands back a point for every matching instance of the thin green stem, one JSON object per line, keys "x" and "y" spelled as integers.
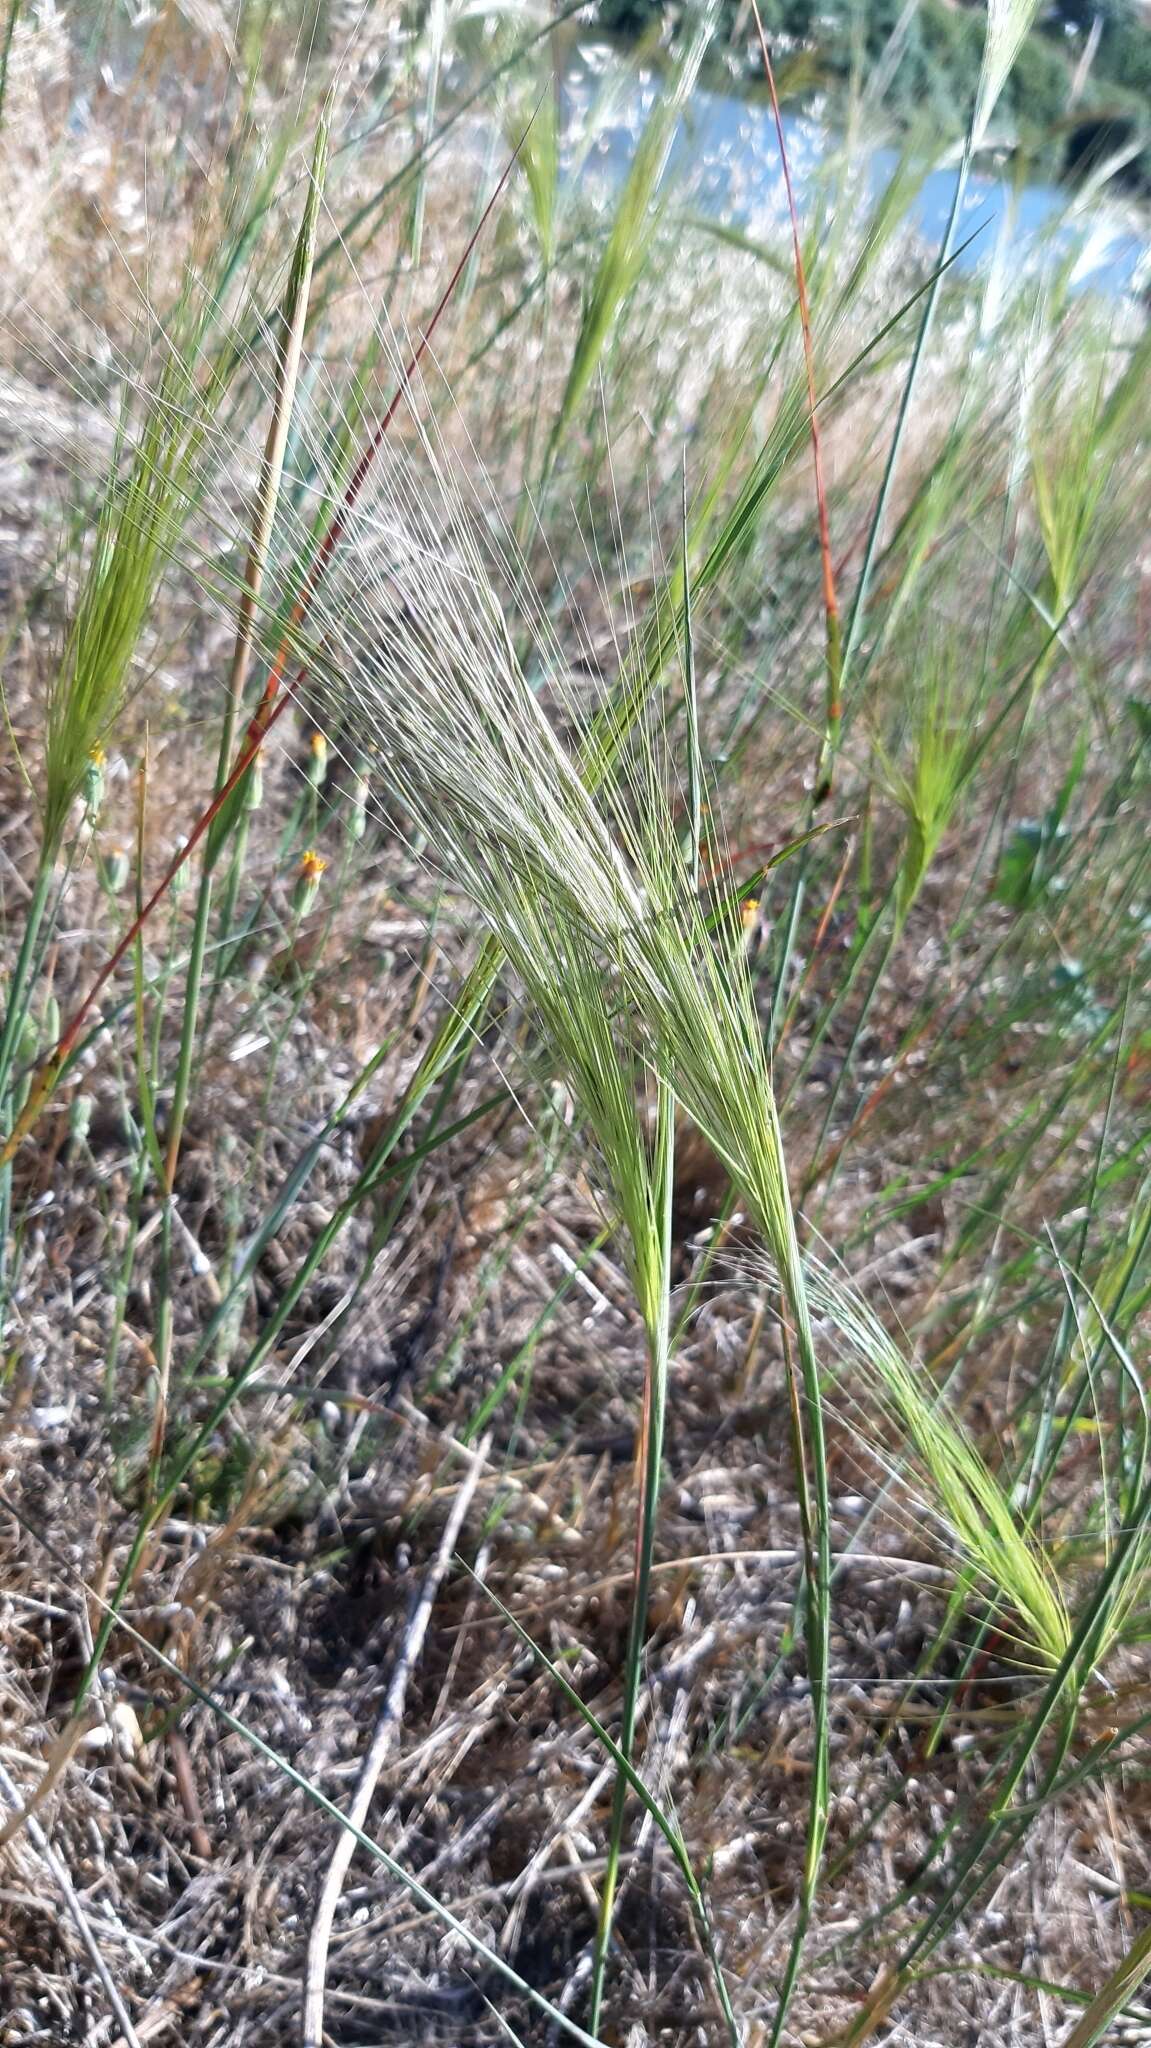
{"x": 15, "y": 1014}
{"x": 657, "y": 1316}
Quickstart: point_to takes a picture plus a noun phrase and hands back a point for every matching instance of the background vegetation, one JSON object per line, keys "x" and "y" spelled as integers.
{"x": 1080, "y": 89}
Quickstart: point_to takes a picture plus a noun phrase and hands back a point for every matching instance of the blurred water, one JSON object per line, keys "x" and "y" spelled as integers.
{"x": 727, "y": 149}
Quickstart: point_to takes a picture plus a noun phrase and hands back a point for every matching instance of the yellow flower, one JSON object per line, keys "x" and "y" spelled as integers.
{"x": 308, "y": 874}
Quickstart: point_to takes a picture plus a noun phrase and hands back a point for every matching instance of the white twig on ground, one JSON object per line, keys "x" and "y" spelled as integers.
{"x": 63, "y": 1882}
{"x": 384, "y": 1737}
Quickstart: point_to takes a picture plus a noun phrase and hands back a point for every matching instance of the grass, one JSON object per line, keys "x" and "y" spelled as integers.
{"x": 449, "y": 1043}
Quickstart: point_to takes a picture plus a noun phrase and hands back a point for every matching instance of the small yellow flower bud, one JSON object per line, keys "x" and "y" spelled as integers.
{"x": 307, "y": 882}
{"x": 95, "y": 784}
{"x": 117, "y": 868}
{"x": 318, "y": 761}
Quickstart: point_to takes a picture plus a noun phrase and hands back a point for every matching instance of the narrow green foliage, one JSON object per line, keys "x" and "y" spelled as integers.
{"x": 288, "y": 343}
{"x": 691, "y": 709}
{"x": 1113, "y": 1996}
{"x": 435, "y": 28}
{"x": 147, "y": 500}
{"x": 629, "y": 238}
{"x": 653, "y": 1273}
